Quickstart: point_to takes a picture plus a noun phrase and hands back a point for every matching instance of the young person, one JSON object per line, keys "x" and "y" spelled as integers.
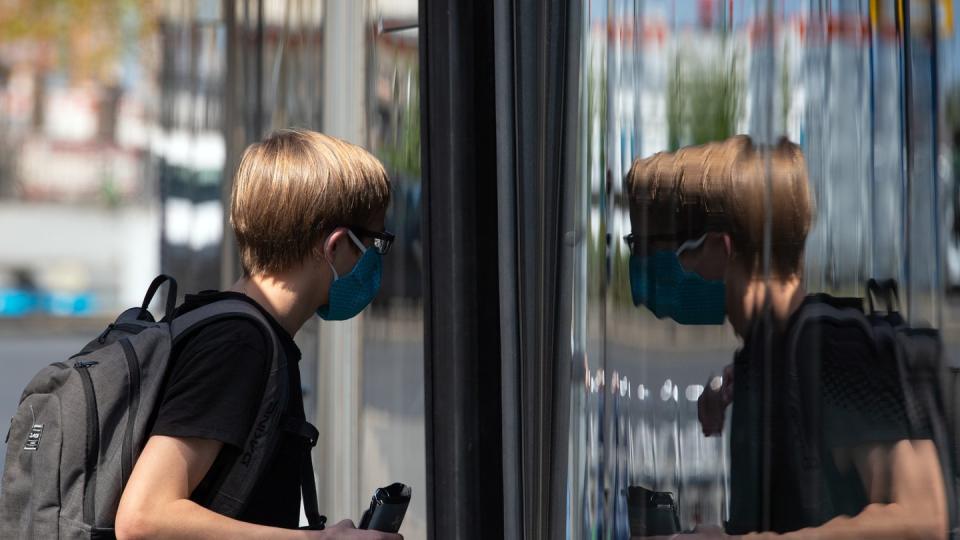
{"x": 308, "y": 212}
{"x": 699, "y": 256}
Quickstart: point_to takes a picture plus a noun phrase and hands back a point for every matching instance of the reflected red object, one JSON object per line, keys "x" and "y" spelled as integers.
{"x": 706, "y": 13}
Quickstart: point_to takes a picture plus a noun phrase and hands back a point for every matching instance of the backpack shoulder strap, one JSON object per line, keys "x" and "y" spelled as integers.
{"x": 193, "y": 320}
{"x": 272, "y": 416}
{"x": 925, "y": 382}
{"x": 804, "y": 377}
{"x": 235, "y": 488}
{"x": 307, "y": 435}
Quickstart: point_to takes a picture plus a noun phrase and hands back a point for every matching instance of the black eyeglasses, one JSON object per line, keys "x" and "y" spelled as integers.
{"x": 381, "y": 240}
{"x": 635, "y": 241}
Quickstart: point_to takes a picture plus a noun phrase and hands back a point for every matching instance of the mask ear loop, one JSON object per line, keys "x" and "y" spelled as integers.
{"x": 336, "y": 276}
{"x": 363, "y": 249}
{"x": 691, "y": 245}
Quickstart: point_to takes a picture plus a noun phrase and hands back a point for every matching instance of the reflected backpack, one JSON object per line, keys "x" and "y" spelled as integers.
{"x": 81, "y": 424}
{"x": 927, "y": 385}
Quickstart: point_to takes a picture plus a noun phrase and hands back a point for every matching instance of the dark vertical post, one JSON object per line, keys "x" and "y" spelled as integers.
{"x": 510, "y": 374}
{"x": 233, "y": 139}
{"x": 541, "y": 69}
{"x": 909, "y": 154}
{"x": 461, "y": 322}
{"x": 258, "y": 77}
{"x": 936, "y": 122}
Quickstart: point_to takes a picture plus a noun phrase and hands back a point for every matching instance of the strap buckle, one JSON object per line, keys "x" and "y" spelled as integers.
{"x": 300, "y": 428}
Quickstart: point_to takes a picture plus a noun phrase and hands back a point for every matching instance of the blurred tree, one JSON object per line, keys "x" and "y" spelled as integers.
{"x": 82, "y": 42}
{"x": 952, "y": 107}
{"x": 952, "y": 125}
{"x": 83, "y": 38}
{"x": 401, "y": 148}
{"x": 704, "y": 99}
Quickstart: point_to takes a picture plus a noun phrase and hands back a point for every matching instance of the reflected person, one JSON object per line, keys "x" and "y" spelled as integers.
{"x": 699, "y": 256}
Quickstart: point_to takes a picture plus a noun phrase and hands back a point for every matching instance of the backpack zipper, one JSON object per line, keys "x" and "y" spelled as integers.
{"x": 92, "y": 444}
{"x": 103, "y": 335}
{"x": 123, "y": 327}
{"x": 133, "y": 405}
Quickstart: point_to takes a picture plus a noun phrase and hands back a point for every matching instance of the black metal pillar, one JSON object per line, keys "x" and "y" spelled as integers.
{"x": 462, "y": 341}
{"x": 536, "y": 76}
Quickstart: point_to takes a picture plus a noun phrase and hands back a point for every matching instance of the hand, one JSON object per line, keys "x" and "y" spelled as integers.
{"x": 713, "y": 402}
{"x": 346, "y": 530}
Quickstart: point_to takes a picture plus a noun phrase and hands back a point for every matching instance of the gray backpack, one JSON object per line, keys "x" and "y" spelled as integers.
{"x": 81, "y": 425}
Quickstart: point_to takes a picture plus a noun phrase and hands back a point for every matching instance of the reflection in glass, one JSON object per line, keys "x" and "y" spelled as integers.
{"x": 392, "y": 376}
{"x": 858, "y": 87}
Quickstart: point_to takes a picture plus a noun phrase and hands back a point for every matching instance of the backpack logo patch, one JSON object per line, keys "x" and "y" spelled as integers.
{"x": 33, "y": 438}
{"x": 259, "y": 430}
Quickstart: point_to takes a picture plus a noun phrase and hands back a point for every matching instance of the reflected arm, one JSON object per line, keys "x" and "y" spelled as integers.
{"x": 905, "y": 486}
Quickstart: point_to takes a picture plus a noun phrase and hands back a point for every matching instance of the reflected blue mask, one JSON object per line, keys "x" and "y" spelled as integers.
{"x": 352, "y": 292}
{"x": 659, "y": 282}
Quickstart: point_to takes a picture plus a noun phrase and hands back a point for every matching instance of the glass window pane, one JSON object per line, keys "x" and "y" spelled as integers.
{"x": 762, "y": 155}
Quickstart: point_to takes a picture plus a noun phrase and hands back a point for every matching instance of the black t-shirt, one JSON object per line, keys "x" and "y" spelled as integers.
{"x": 860, "y": 402}
{"x": 213, "y": 391}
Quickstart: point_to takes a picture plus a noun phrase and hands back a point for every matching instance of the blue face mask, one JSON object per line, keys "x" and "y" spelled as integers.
{"x": 659, "y": 282}
{"x": 352, "y": 292}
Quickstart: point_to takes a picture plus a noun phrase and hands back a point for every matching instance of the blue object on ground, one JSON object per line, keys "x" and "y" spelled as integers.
{"x": 17, "y": 302}
{"x": 68, "y": 304}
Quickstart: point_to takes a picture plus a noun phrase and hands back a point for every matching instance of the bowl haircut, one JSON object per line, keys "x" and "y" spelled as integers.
{"x": 295, "y": 187}
{"x": 722, "y": 187}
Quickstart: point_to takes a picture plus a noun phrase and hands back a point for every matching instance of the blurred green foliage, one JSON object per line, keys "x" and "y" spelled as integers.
{"x": 400, "y": 152}
{"x": 704, "y": 99}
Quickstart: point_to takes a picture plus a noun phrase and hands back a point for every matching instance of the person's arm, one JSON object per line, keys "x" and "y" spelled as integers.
{"x": 156, "y": 501}
{"x": 904, "y": 483}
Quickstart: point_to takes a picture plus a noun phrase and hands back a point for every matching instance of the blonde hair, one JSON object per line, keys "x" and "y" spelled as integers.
{"x": 295, "y": 186}
{"x": 720, "y": 187}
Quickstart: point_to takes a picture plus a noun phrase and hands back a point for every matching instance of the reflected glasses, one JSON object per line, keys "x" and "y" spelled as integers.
{"x": 381, "y": 240}
{"x": 636, "y": 242}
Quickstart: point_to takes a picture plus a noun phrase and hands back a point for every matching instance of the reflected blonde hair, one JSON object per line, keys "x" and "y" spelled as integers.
{"x": 296, "y": 186}
{"x": 720, "y": 187}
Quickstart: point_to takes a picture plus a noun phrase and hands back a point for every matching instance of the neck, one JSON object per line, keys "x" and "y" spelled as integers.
{"x": 280, "y": 296}
{"x": 783, "y": 295}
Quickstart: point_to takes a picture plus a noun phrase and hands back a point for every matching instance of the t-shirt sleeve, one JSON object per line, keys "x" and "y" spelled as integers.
{"x": 215, "y": 384}
{"x": 860, "y": 394}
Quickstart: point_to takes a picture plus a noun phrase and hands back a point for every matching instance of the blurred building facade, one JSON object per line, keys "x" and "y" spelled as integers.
{"x": 76, "y": 182}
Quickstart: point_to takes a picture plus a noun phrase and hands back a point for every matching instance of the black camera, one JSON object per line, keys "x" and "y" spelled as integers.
{"x": 651, "y": 513}
{"x": 387, "y": 508}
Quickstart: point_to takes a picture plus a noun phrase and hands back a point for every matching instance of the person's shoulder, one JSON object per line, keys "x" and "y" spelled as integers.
{"x": 254, "y": 323}
{"x": 237, "y": 341}
{"x": 239, "y": 330}
{"x": 831, "y": 323}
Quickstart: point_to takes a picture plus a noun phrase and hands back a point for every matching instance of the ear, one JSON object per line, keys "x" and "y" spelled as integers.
{"x": 333, "y": 242}
{"x": 727, "y": 244}
{"x": 718, "y": 242}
